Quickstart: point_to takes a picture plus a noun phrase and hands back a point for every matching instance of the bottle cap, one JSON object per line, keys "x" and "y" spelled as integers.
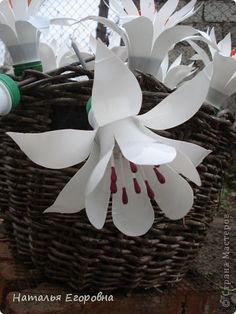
{"x": 10, "y": 91}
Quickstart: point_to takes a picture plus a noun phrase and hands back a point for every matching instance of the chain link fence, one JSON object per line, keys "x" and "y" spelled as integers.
{"x": 220, "y": 14}
{"x": 58, "y": 35}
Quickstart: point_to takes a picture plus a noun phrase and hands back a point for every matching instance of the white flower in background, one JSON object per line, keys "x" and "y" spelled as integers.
{"x": 223, "y": 47}
{"x": 162, "y": 19}
{"x": 222, "y": 77}
{"x": 127, "y": 162}
{"x": 222, "y": 72}
{"x": 149, "y": 37}
{"x": 53, "y": 58}
{"x": 20, "y": 29}
{"x": 159, "y": 30}
{"x": 173, "y": 74}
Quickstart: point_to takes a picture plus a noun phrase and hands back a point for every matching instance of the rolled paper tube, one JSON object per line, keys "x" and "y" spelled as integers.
{"x": 9, "y": 94}
{"x": 20, "y": 68}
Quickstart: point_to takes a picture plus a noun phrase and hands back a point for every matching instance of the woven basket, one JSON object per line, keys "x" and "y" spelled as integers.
{"x": 67, "y": 247}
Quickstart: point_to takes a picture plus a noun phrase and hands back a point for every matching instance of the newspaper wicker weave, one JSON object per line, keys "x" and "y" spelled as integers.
{"x": 66, "y": 247}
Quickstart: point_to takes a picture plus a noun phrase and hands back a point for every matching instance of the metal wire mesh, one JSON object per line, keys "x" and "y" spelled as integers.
{"x": 59, "y": 34}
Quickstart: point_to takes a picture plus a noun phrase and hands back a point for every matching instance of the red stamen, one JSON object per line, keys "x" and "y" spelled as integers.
{"x": 133, "y": 167}
{"x": 113, "y": 187}
{"x": 113, "y": 174}
{"x": 159, "y": 176}
{"x": 139, "y": 12}
{"x": 150, "y": 192}
{"x": 124, "y": 196}
{"x": 136, "y": 186}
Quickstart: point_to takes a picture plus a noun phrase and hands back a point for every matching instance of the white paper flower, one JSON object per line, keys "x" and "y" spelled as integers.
{"x": 20, "y": 29}
{"x": 223, "y": 47}
{"x": 149, "y": 37}
{"x": 173, "y": 74}
{"x": 162, "y": 19}
{"x": 139, "y": 28}
{"x": 127, "y": 162}
{"x": 222, "y": 79}
{"x": 222, "y": 69}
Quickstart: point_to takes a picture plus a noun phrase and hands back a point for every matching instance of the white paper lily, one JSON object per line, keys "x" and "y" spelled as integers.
{"x": 173, "y": 74}
{"x": 149, "y": 56}
{"x": 127, "y": 162}
{"x": 162, "y": 19}
{"x": 223, "y": 47}
{"x": 222, "y": 77}
{"x": 156, "y": 27}
{"x": 222, "y": 72}
{"x": 20, "y": 29}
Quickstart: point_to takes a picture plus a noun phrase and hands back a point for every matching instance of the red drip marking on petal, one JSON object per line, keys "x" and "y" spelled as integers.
{"x": 150, "y": 192}
{"x": 136, "y": 186}
{"x": 159, "y": 176}
{"x": 113, "y": 174}
{"x": 124, "y": 196}
{"x": 233, "y": 52}
{"x": 133, "y": 167}
{"x": 113, "y": 187}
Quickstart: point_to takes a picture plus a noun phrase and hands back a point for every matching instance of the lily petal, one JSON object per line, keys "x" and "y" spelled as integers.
{"x": 96, "y": 203}
{"x": 72, "y": 198}
{"x": 163, "y": 69}
{"x": 179, "y": 106}
{"x": 140, "y": 148}
{"x": 193, "y": 152}
{"x": 223, "y": 69}
{"x": 116, "y": 6}
{"x": 139, "y": 53}
{"x": 165, "y": 42}
{"x": 8, "y": 36}
{"x": 105, "y": 140}
{"x": 26, "y": 32}
{"x": 116, "y": 93}
{"x": 147, "y": 8}
{"x": 200, "y": 52}
{"x": 230, "y": 88}
{"x": 162, "y": 16}
{"x": 41, "y": 23}
{"x": 2, "y": 18}
{"x": 7, "y": 11}
{"x": 185, "y": 12}
{"x": 47, "y": 57}
{"x": 55, "y": 149}
{"x": 177, "y": 74}
{"x": 137, "y": 216}
{"x": 176, "y": 62}
{"x": 225, "y": 45}
{"x": 20, "y": 9}
{"x": 130, "y": 7}
{"x": 174, "y": 197}
{"x": 34, "y": 6}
